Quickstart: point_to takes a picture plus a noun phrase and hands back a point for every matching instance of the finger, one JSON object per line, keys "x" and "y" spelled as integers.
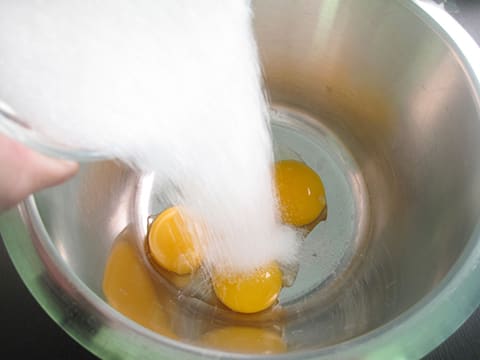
{"x": 24, "y": 171}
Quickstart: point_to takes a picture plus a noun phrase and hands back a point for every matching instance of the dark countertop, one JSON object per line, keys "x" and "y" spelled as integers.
{"x": 28, "y": 330}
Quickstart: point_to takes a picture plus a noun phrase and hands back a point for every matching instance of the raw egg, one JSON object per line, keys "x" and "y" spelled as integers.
{"x": 172, "y": 242}
{"x": 248, "y": 292}
{"x": 300, "y": 192}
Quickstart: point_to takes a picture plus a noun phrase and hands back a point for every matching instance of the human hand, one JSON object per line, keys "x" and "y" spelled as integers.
{"x": 24, "y": 171}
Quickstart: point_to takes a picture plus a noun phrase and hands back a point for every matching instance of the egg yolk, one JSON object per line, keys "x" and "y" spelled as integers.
{"x": 172, "y": 244}
{"x": 243, "y": 339}
{"x": 300, "y": 192}
{"x": 129, "y": 289}
{"x": 249, "y": 292}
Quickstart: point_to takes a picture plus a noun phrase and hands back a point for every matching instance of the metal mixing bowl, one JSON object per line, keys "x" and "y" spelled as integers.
{"x": 391, "y": 92}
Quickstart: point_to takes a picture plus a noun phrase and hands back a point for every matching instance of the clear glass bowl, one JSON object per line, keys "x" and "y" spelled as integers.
{"x": 15, "y": 127}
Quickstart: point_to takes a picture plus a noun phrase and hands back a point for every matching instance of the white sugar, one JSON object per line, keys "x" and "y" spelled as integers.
{"x": 169, "y": 86}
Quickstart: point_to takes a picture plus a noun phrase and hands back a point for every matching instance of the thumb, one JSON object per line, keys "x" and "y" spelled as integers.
{"x": 24, "y": 171}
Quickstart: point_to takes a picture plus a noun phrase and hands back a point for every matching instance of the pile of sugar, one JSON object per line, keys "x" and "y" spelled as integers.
{"x": 171, "y": 86}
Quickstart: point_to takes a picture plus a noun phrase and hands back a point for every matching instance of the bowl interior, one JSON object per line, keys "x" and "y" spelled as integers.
{"x": 378, "y": 103}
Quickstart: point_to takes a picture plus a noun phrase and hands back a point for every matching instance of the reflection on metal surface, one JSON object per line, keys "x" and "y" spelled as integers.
{"x": 128, "y": 287}
{"x": 243, "y": 339}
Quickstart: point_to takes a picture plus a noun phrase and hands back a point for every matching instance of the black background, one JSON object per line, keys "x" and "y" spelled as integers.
{"x": 26, "y": 330}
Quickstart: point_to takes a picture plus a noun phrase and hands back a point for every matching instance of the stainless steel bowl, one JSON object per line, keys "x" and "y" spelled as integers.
{"x": 386, "y": 95}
